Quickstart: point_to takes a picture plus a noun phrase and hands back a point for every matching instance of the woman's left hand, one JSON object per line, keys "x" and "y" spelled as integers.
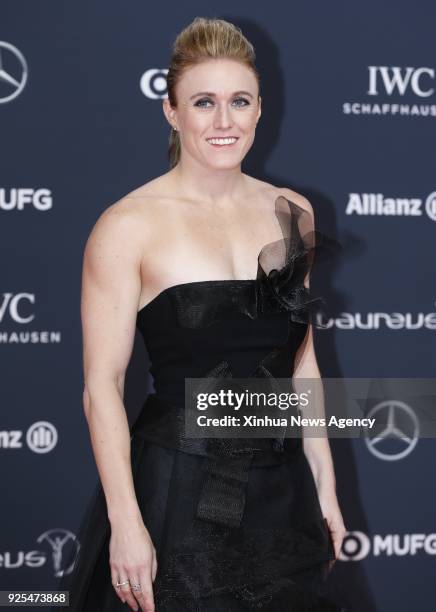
{"x": 332, "y": 514}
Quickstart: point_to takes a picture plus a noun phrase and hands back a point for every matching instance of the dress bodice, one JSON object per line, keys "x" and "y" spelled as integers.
{"x": 192, "y": 327}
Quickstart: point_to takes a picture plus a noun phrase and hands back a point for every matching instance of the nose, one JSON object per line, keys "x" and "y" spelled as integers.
{"x": 223, "y": 117}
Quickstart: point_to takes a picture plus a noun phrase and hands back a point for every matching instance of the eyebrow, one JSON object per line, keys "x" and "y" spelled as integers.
{"x": 210, "y": 93}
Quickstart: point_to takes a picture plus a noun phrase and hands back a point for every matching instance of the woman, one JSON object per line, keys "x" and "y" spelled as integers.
{"x": 211, "y": 265}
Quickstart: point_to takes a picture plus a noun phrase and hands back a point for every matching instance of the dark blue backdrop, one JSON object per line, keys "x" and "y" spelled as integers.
{"x": 349, "y": 109}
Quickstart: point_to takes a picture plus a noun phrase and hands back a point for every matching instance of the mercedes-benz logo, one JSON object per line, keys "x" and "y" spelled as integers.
{"x": 13, "y": 72}
{"x": 401, "y": 425}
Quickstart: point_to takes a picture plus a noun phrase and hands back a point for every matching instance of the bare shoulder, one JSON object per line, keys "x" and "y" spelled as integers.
{"x": 130, "y": 221}
{"x": 271, "y": 191}
{"x": 115, "y": 229}
{"x": 297, "y": 198}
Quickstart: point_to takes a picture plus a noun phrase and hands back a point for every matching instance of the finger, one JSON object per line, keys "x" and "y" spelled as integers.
{"x": 335, "y": 544}
{"x": 154, "y": 566}
{"x": 129, "y": 597}
{"x": 338, "y": 540}
{"x": 116, "y": 579}
{"x": 147, "y": 601}
{"x": 136, "y": 590}
{"x": 330, "y": 534}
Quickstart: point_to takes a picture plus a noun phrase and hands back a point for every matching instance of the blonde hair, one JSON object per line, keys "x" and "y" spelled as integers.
{"x": 203, "y": 39}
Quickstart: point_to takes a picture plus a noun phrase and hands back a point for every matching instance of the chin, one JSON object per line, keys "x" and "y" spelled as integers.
{"x": 225, "y": 166}
{"x": 229, "y": 161}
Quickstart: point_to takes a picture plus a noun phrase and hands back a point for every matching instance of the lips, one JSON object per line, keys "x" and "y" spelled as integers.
{"x": 227, "y": 144}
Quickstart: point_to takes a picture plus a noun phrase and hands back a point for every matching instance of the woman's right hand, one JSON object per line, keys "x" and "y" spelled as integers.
{"x": 132, "y": 556}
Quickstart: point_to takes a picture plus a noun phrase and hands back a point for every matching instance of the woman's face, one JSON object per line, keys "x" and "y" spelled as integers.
{"x": 216, "y": 99}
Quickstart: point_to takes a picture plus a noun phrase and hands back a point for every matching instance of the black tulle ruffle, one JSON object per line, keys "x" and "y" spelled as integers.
{"x": 280, "y": 284}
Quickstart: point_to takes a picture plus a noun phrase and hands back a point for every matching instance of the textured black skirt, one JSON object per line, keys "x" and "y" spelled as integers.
{"x": 257, "y": 542}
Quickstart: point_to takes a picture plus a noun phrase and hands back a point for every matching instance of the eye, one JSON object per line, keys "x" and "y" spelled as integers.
{"x": 203, "y": 101}
{"x": 200, "y": 103}
{"x": 246, "y": 102}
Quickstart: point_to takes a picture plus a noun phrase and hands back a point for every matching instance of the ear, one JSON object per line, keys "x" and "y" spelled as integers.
{"x": 170, "y": 113}
{"x": 259, "y": 111}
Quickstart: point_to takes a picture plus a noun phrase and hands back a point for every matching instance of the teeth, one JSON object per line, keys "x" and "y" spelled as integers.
{"x": 221, "y": 141}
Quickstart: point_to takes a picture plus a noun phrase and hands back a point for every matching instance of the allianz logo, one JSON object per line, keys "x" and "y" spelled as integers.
{"x": 377, "y": 320}
{"x": 377, "y": 204}
{"x": 41, "y": 437}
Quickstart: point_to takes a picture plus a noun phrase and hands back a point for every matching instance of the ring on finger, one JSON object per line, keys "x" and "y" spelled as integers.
{"x": 136, "y": 587}
{"x": 119, "y": 584}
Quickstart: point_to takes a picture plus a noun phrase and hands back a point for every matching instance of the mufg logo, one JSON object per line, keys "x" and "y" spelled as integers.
{"x": 358, "y": 545}
{"x": 153, "y": 83}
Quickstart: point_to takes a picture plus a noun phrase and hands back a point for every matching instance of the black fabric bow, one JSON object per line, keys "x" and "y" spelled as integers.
{"x": 222, "y": 497}
{"x": 283, "y": 288}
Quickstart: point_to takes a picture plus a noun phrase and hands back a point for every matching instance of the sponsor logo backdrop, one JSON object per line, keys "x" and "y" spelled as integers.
{"x": 349, "y": 112}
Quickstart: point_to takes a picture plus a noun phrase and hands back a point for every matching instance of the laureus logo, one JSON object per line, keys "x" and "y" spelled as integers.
{"x": 63, "y": 547}
{"x": 58, "y": 540}
{"x": 370, "y": 321}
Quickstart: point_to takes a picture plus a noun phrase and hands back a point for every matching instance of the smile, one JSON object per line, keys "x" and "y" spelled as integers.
{"x": 221, "y": 142}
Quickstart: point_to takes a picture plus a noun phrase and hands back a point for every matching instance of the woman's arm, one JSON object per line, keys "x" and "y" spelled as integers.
{"x": 111, "y": 288}
{"x": 316, "y": 447}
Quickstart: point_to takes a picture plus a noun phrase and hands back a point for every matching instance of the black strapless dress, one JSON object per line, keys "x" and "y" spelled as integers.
{"x": 232, "y": 532}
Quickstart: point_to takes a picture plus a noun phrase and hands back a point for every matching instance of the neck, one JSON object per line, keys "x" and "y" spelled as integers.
{"x": 209, "y": 185}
